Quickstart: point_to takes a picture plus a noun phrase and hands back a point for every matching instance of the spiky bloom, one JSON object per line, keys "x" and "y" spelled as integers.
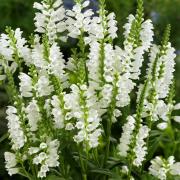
{"x": 33, "y": 115}
{"x": 46, "y": 156}
{"x": 57, "y": 113}
{"x": 166, "y": 77}
{"x": 84, "y": 108}
{"x": 57, "y": 63}
{"x": 140, "y": 148}
{"x": 126, "y": 136}
{"x": 43, "y": 86}
{"x": 37, "y": 54}
{"x": 77, "y": 20}
{"x": 50, "y": 19}
{"x": 25, "y": 85}
{"x": 161, "y": 167}
{"x": 15, "y": 130}
{"x": 112, "y": 25}
{"x": 93, "y": 65}
{"x": 5, "y": 49}
{"x": 21, "y": 46}
{"x": 11, "y": 162}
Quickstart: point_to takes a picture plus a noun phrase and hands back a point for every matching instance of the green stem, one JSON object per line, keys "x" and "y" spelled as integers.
{"x": 109, "y": 121}
{"x": 3, "y": 137}
{"x": 83, "y": 169}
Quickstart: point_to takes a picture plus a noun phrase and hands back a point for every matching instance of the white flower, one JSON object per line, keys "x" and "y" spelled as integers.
{"x": 85, "y": 109}
{"x": 56, "y": 65}
{"x": 78, "y": 20}
{"x": 94, "y": 138}
{"x": 157, "y": 168}
{"x": 33, "y": 150}
{"x": 23, "y": 50}
{"x": 177, "y": 106}
{"x": 175, "y": 169}
{"x": 125, "y": 86}
{"x": 128, "y": 25}
{"x": 33, "y": 115}
{"x": 177, "y": 118}
{"x": 162, "y": 125}
{"x": 47, "y": 158}
{"x": 137, "y": 61}
{"x": 69, "y": 126}
{"x": 146, "y": 34}
{"x": 37, "y": 54}
{"x": 53, "y": 153}
{"x": 57, "y": 113}
{"x": 108, "y": 63}
{"x": 163, "y": 84}
{"x": 43, "y": 86}
{"x": 106, "y": 95}
{"x": 161, "y": 167}
{"x": 15, "y": 130}
{"x": 126, "y": 136}
{"x": 11, "y": 163}
{"x": 25, "y": 85}
{"x": 50, "y": 19}
{"x": 5, "y": 49}
{"x": 140, "y": 149}
{"x": 96, "y": 30}
{"x": 112, "y": 25}
{"x": 93, "y": 64}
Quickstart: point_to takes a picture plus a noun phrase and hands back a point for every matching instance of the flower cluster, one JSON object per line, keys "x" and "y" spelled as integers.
{"x": 85, "y": 109}
{"x": 15, "y": 130}
{"x": 161, "y": 167}
{"x": 50, "y": 19}
{"x": 11, "y": 163}
{"x": 46, "y": 155}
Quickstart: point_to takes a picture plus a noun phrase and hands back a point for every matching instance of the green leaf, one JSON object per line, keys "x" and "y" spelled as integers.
{"x": 148, "y": 177}
{"x": 54, "y": 177}
{"x": 102, "y": 171}
{"x": 4, "y": 137}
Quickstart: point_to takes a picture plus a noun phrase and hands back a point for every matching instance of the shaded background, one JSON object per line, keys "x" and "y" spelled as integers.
{"x": 19, "y": 13}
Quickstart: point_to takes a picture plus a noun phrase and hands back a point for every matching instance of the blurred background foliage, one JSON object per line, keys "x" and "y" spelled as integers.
{"x": 20, "y": 13}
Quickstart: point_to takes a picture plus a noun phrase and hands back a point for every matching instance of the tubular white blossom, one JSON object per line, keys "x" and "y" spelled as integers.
{"x": 5, "y": 49}
{"x": 50, "y": 19}
{"x": 108, "y": 63}
{"x": 84, "y": 108}
{"x": 47, "y": 158}
{"x": 57, "y": 63}
{"x": 126, "y": 136}
{"x": 146, "y": 34}
{"x": 77, "y": 20}
{"x": 112, "y": 25}
{"x": 23, "y": 50}
{"x": 37, "y": 54}
{"x": 164, "y": 82}
{"x": 161, "y": 167}
{"x": 11, "y": 163}
{"x": 33, "y": 115}
{"x": 93, "y": 64}
{"x": 43, "y": 86}
{"x": 128, "y": 25}
{"x": 96, "y": 30}
{"x": 140, "y": 149}
{"x": 125, "y": 86}
{"x": 57, "y": 113}
{"x": 15, "y": 130}
{"x": 25, "y": 85}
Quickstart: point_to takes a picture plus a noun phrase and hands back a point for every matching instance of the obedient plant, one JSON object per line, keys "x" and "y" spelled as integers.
{"x": 94, "y": 114}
